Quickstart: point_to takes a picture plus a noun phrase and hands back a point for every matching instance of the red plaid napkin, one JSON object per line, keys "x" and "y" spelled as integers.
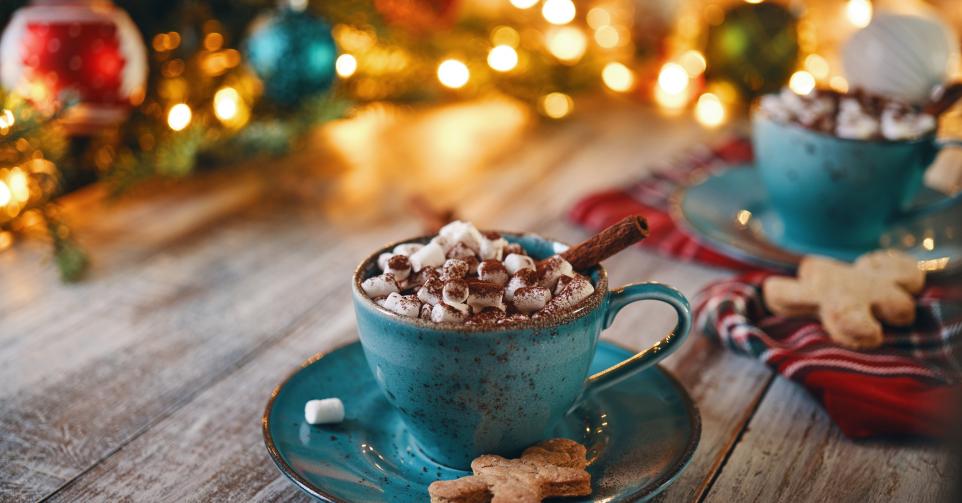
{"x": 906, "y": 387}
{"x": 903, "y": 388}
{"x": 652, "y": 195}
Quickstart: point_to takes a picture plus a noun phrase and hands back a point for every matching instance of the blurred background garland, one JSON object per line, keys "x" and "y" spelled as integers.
{"x": 225, "y": 80}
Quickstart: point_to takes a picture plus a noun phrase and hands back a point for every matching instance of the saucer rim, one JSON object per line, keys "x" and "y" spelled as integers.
{"x": 780, "y": 259}
{"x": 660, "y": 484}
{"x": 677, "y": 213}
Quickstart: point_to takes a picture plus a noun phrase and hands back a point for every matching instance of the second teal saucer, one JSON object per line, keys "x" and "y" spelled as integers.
{"x": 729, "y": 210}
{"x": 640, "y": 434}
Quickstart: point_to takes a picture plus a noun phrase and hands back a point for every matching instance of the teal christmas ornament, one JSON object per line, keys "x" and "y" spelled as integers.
{"x": 293, "y": 53}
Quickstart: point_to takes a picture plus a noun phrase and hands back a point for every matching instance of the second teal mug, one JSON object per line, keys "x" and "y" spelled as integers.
{"x": 832, "y": 191}
{"x": 464, "y": 390}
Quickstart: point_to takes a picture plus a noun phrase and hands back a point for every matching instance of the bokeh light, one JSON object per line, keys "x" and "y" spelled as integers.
{"x": 618, "y": 77}
{"x": 453, "y": 73}
{"x": 859, "y": 12}
{"x": 558, "y": 11}
{"x": 607, "y": 37}
{"x": 673, "y": 78}
{"x": 502, "y": 58}
{"x": 817, "y": 66}
{"x": 557, "y": 105}
{"x": 179, "y": 116}
{"x": 524, "y": 4}
{"x": 345, "y": 65}
{"x": 802, "y": 82}
{"x": 505, "y": 35}
{"x": 709, "y": 110}
{"x": 226, "y": 103}
{"x": 693, "y": 62}
{"x": 568, "y": 44}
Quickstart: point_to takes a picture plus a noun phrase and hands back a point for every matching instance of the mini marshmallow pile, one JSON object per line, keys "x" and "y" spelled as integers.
{"x": 465, "y": 276}
{"x": 856, "y": 115}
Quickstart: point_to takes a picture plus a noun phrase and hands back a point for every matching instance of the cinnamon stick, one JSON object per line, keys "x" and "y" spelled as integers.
{"x": 432, "y": 219}
{"x": 606, "y": 243}
{"x": 943, "y": 100}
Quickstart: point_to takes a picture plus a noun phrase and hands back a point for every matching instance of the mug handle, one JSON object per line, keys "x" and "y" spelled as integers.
{"x": 633, "y": 293}
{"x": 939, "y": 204}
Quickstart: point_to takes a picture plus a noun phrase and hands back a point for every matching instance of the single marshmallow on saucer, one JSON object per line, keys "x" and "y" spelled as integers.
{"x": 405, "y": 305}
{"x": 379, "y": 286}
{"x": 553, "y": 268}
{"x": 482, "y": 294}
{"x": 326, "y": 411}
{"x": 492, "y": 270}
{"x": 429, "y": 255}
{"x": 529, "y": 299}
{"x": 442, "y": 313}
{"x": 399, "y": 266}
{"x": 515, "y": 262}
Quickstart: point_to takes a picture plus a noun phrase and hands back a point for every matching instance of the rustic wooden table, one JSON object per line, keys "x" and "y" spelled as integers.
{"x": 147, "y": 381}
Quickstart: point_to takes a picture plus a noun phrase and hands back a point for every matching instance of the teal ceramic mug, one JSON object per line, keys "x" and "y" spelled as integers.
{"x": 831, "y": 191}
{"x": 464, "y": 390}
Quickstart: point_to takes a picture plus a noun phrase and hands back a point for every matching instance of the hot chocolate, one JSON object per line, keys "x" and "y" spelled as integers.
{"x": 463, "y": 275}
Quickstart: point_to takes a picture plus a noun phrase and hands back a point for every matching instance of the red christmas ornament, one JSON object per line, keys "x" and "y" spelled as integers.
{"x": 89, "y": 48}
{"x": 418, "y": 16}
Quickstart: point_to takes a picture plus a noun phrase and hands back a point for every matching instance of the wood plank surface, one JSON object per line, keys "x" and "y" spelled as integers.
{"x": 791, "y": 451}
{"x": 147, "y": 381}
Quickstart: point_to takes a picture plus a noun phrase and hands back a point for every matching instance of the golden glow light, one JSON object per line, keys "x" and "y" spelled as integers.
{"x": 5, "y": 194}
{"x": 801, "y": 82}
{"x": 453, "y": 74}
{"x": 7, "y": 119}
{"x": 567, "y": 44}
{"x": 607, "y": 37}
{"x": 839, "y": 84}
{"x": 558, "y": 11}
{"x": 673, "y": 78}
{"x": 754, "y": 1}
{"x": 859, "y": 12}
{"x": 817, "y": 66}
{"x": 598, "y": 17}
{"x": 345, "y": 65}
{"x": 618, "y": 77}
{"x": 709, "y": 110}
{"x": 6, "y": 240}
{"x": 557, "y": 105}
{"x": 17, "y": 182}
{"x": 524, "y": 4}
{"x": 505, "y": 35}
{"x": 226, "y": 103}
{"x": 502, "y": 58}
{"x": 693, "y": 62}
{"x": 179, "y": 116}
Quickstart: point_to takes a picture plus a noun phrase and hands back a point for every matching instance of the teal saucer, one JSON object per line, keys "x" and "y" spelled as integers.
{"x": 729, "y": 210}
{"x": 640, "y": 434}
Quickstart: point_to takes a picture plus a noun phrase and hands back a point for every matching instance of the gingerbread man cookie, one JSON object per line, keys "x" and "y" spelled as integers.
{"x": 551, "y": 468}
{"x": 850, "y": 299}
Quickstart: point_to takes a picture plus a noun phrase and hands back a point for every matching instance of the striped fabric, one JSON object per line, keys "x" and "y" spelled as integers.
{"x": 903, "y": 388}
{"x": 651, "y": 197}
